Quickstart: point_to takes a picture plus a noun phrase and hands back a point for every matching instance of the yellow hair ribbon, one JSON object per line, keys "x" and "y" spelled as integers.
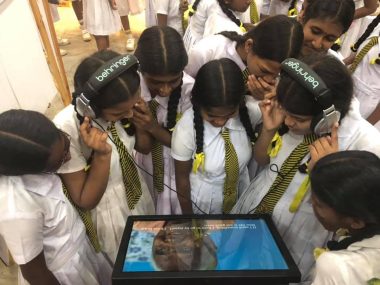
{"x": 292, "y": 12}
{"x": 127, "y": 125}
{"x": 87, "y": 167}
{"x": 338, "y": 42}
{"x": 191, "y": 10}
{"x": 300, "y": 195}
{"x": 373, "y": 281}
{"x": 199, "y": 161}
{"x": 242, "y": 27}
{"x": 373, "y": 61}
{"x": 275, "y": 145}
{"x": 318, "y": 251}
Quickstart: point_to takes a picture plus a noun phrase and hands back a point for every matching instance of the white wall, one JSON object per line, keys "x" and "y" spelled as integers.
{"x": 25, "y": 78}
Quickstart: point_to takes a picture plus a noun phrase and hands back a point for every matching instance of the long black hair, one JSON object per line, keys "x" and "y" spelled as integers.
{"x": 348, "y": 182}
{"x": 161, "y": 52}
{"x": 26, "y": 139}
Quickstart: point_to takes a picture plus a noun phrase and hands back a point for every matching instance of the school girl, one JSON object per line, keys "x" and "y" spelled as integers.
{"x": 259, "y": 52}
{"x": 102, "y": 176}
{"x": 212, "y": 142}
{"x": 227, "y": 17}
{"x": 42, "y": 230}
{"x": 280, "y": 189}
{"x": 366, "y": 72}
{"x": 171, "y": 13}
{"x": 344, "y": 187}
{"x": 324, "y": 22}
{"x": 166, "y": 88}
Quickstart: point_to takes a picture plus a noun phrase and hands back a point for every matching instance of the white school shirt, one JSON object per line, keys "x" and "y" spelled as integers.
{"x": 357, "y": 264}
{"x": 367, "y": 78}
{"x": 210, "y": 48}
{"x": 218, "y": 22}
{"x": 150, "y": 13}
{"x": 167, "y": 201}
{"x": 278, "y": 7}
{"x": 111, "y": 213}
{"x": 196, "y": 27}
{"x": 301, "y": 231}
{"x": 99, "y": 18}
{"x": 171, "y": 9}
{"x": 207, "y": 187}
{"x": 36, "y": 217}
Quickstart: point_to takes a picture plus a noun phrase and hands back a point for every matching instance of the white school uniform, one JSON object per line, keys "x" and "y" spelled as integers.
{"x": 207, "y": 187}
{"x": 99, "y": 18}
{"x": 210, "y": 48}
{"x": 36, "y": 217}
{"x": 111, "y": 213}
{"x": 278, "y": 7}
{"x": 196, "y": 27}
{"x": 218, "y": 22}
{"x": 367, "y": 79}
{"x": 150, "y": 13}
{"x": 357, "y": 264}
{"x": 167, "y": 201}
{"x": 171, "y": 9}
{"x": 301, "y": 230}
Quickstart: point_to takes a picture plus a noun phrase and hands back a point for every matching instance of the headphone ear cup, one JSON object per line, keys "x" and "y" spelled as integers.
{"x": 321, "y": 125}
{"x": 315, "y": 122}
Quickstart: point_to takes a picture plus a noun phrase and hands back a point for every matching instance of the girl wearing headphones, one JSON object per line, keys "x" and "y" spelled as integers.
{"x": 212, "y": 142}
{"x": 102, "y": 176}
{"x": 258, "y": 53}
{"x": 42, "y": 230}
{"x": 290, "y": 125}
{"x": 344, "y": 188}
{"x": 166, "y": 89}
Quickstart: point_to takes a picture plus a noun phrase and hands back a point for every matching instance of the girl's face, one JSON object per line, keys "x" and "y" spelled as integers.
{"x": 263, "y": 68}
{"x": 60, "y": 153}
{"x": 299, "y": 125}
{"x": 218, "y": 116}
{"x": 238, "y": 5}
{"x": 162, "y": 85}
{"x": 320, "y": 35}
{"x": 327, "y": 216}
{"x": 122, "y": 110}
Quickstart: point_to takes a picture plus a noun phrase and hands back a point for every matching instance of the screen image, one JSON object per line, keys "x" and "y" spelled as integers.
{"x": 202, "y": 245}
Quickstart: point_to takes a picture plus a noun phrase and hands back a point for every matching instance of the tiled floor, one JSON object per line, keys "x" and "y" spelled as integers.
{"x": 68, "y": 27}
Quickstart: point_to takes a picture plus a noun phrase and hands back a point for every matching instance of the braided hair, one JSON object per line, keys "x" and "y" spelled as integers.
{"x": 226, "y": 10}
{"x": 366, "y": 34}
{"x": 161, "y": 52}
{"x": 219, "y": 83}
{"x": 338, "y": 180}
{"x": 292, "y": 11}
{"x": 195, "y": 6}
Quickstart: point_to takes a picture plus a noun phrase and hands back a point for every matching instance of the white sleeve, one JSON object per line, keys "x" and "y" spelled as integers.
{"x": 183, "y": 141}
{"x": 162, "y": 7}
{"x": 198, "y": 56}
{"x": 253, "y": 110}
{"x": 23, "y": 234}
{"x": 330, "y": 270}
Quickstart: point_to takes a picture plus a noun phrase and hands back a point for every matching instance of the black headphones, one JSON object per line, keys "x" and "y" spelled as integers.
{"x": 102, "y": 76}
{"x": 322, "y": 123}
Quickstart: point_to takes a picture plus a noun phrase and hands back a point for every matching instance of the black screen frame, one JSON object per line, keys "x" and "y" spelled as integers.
{"x": 292, "y": 274}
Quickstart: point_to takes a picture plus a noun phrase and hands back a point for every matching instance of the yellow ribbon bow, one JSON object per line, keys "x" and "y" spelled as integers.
{"x": 199, "y": 161}
{"x": 275, "y": 145}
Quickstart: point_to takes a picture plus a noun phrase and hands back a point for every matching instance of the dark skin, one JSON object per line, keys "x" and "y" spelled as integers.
{"x": 37, "y": 273}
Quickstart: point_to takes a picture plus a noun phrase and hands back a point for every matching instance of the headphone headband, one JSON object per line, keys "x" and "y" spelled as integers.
{"x": 102, "y": 76}
{"x": 310, "y": 80}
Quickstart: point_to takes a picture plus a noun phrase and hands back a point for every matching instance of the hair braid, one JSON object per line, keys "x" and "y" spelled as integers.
{"x": 195, "y": 6}
{"x": 366, "y": 34}
{"x": 245, "y": 120}
{"x": 229, "y": 13}
{"x": 199, "y": 128}
{"x": 171, "y": 117}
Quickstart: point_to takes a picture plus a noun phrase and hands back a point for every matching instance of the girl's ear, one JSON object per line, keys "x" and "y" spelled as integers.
{"x": 248, "y": 45}
{"x": 355, "y": 223}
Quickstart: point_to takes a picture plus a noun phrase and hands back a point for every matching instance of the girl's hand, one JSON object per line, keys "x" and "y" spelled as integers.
{"x": 183, "y": 6}
{"x": 349, "y": 59}
{"x": 94, "y": 138}
{"x": 113, "y": 4}
{"x": 259, "y": 88}
{"x": 142, "y": 117}
{"x": 273, "y": 115}
{"x": 324, "y": 146}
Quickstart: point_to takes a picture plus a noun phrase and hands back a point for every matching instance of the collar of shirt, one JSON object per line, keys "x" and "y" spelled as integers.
{"x": 232, "y": 52}
{"x": 373, "y": 242}
{"x": 47, "y": 185}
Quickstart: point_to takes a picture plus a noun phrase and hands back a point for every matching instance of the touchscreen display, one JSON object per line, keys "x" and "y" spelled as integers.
{"x": 202, "y": 244}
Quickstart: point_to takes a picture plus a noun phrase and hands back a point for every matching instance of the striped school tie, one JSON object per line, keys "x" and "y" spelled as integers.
{"x": 245, "y": 74}
{"x": 131, "y": 177}
{"x": 359, "y": 57}
{"x": 253, "y": 12}
{"x": 231, "y": 166}
{"x": 285, "y": 176}
{"x": 184, "y": 18}
{"x": 157, "y": 156}
{"x": 87, "y": 221}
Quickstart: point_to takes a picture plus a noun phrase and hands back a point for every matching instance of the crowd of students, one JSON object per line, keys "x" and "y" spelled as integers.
{"x": 242, "y": 111}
